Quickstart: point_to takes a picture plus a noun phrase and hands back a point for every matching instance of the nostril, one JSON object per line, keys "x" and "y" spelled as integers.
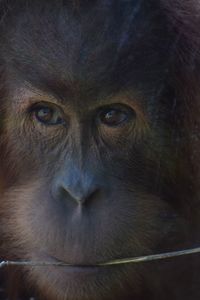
{"x": 90, "y": 197}
{"x": 85, "y": 197}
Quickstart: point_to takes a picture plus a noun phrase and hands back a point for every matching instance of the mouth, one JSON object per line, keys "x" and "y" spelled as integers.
{"x": 46, "y": 260}
{"x": 77, "y": 268}
{"x": 73, "y": 270}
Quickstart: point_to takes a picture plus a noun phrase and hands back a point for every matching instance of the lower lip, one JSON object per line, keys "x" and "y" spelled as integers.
{"x": 82, "y": 270}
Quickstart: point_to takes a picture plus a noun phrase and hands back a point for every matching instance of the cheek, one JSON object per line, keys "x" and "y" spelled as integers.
{"x": 26, "y": 141}
{"x": 23, "y": 159}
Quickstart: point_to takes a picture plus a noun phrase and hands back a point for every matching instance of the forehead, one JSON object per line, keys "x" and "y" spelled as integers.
{"x": 98, "y": 47}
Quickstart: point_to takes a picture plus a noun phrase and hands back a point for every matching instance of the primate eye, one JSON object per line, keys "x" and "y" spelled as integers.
{"x": 115, "y": 116}
{"x": 48, "y": 115}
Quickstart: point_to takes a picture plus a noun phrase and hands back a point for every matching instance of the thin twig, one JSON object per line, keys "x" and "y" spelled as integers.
{"x": 152, "y": 257}
{"x": 109, "y": 263}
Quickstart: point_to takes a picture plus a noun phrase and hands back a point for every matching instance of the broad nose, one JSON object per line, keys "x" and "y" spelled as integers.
{"x": 78, "y": 186}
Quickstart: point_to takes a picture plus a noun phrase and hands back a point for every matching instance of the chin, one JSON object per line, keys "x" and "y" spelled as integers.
{"x": 81, "y": 283}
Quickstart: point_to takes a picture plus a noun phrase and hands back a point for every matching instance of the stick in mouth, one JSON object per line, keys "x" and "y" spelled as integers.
{"x": 108, "y": 263}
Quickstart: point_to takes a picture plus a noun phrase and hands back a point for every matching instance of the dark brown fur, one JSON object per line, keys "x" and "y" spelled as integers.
{"x": 84, "y": 192}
